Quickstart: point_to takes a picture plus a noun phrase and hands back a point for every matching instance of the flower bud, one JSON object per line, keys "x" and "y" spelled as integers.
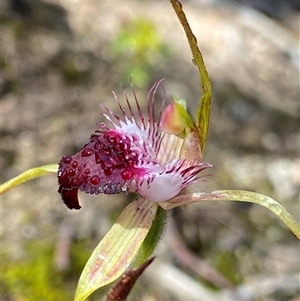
{"x": 174, "y": 119}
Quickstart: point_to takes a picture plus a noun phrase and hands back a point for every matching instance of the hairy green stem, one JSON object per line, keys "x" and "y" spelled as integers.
{"x": 152, "y": 237}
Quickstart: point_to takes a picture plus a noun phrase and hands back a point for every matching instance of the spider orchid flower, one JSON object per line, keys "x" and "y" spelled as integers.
{"x": 154, "y": 157}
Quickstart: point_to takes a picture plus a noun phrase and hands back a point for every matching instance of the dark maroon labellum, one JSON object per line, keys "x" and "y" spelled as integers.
{"x": 103, "y": 165}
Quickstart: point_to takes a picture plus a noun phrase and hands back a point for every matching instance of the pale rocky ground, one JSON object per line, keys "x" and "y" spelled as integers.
{"x": 57, "y": 68}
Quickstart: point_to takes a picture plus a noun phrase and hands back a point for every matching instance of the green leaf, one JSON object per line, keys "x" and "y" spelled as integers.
{"x": 118, "y": 248}
{"x": 237, "y": 195}
{"x": 28, "y": 175}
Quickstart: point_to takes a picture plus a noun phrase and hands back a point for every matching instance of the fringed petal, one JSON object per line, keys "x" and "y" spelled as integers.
{"x": 132, "y": 154}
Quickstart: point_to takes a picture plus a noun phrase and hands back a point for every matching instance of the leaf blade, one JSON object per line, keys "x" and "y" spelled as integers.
{"x": 117, "y": 249}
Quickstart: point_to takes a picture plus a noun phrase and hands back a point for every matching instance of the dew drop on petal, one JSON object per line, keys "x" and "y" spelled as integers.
{"x": 67, "y": 160}
{"x": 87, "y": 152}
{"x": 127, "y": 174}
{"x": 74, "y": 164}
{"x": 87, "y": 171}
{"x": 94, "y": 180}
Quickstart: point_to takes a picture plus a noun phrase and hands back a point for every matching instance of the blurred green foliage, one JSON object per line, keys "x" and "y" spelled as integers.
{"x": 35, "y": 277}
{"x": 142, "y": 51}
{"x": 228, "y": 265}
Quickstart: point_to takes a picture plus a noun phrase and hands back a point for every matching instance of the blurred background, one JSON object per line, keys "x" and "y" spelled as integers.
{"x": 60, "y": 59}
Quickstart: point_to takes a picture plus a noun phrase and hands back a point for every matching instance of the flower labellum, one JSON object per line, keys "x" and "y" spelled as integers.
{"x": 133, "y": 154}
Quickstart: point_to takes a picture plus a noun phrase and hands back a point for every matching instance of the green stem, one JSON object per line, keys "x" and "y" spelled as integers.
{"x": 152, "y": 237}
{"x": 28, "y": 175}
{"x": 203, "y": 111}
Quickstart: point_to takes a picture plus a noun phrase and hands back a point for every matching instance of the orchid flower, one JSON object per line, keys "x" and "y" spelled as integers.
{"x": 133, "y": 153}
{"x": 155, "y": 155}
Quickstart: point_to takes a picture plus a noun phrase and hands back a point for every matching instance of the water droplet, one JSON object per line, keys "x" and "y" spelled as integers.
{"x": 67, "y": 160}
{"x": 127, "y": 174}
{"x": 74, "y": 164}
{"x": 94, "y": 180}
{"x": 87, "y": 152}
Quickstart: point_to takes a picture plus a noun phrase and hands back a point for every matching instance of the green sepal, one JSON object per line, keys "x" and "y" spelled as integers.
{"x": 28, "y": 175}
